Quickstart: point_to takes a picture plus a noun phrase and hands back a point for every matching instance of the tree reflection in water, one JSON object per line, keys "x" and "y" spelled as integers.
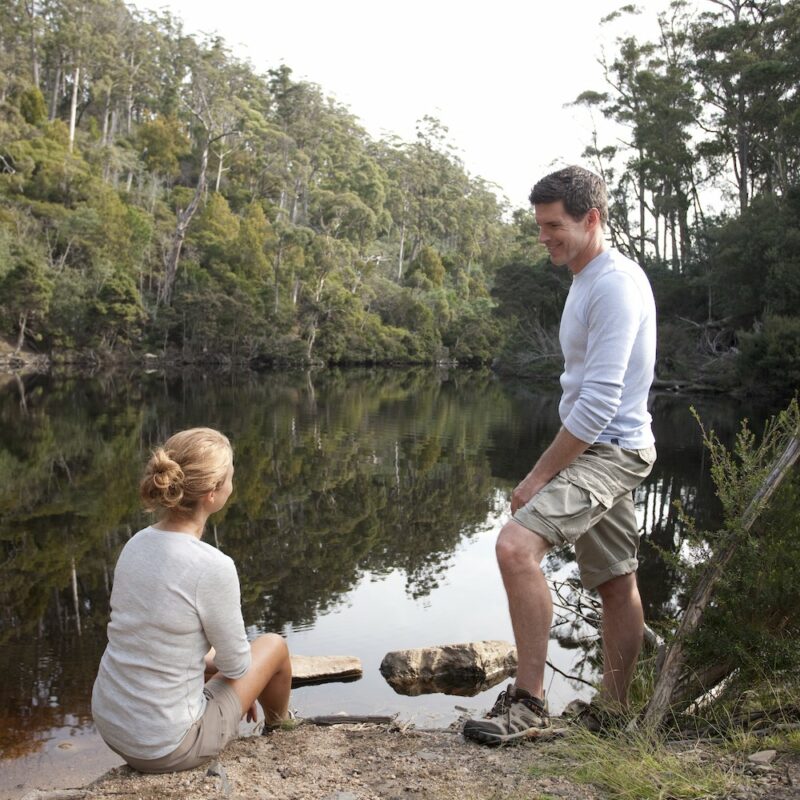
{"x": 338, "y": 474}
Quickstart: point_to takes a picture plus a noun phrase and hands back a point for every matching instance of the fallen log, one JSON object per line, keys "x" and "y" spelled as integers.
{"x": 349, "y": 719}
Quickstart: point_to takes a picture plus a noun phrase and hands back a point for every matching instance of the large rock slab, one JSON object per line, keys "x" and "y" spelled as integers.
{"x": 460, "y": 669}
{"x": 321, "y": 669}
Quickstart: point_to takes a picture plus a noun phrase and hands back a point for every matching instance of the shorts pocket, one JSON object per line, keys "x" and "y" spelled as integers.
{"x": 647, "y": 454}
{"x": 568, "y": 507}
{"x": 212, "y": 733}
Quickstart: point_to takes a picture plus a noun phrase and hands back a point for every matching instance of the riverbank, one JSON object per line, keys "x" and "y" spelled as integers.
{"x": 366, "y": 762}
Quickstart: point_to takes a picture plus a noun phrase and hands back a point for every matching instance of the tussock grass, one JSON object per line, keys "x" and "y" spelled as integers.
{"x": 634, "y": 767}
{"x": 783, "y": 742}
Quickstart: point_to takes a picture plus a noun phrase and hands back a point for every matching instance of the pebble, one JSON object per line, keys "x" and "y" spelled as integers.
{"x": 340, "y": 796}
{"x": 217, "y": 772}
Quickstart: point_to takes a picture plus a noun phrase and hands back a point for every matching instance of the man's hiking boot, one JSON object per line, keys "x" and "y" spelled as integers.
{"x": 593, "y": 717}
{"x": 516, "y": 715}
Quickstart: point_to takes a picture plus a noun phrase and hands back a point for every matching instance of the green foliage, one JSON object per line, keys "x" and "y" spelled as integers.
{"x": 162, "y": 143}
{"x": 770, "y": 356}
{"x": 529, "y": 299}
{"x": 32, "y": 107}
{"x": 755, "y": 261}
{"x": 426, "y": 270}
{"x": 226, "y": 215}
{"x": 26, "y": 291}
{"x": 184, "y": 174}
{"x": 753, "y": 624}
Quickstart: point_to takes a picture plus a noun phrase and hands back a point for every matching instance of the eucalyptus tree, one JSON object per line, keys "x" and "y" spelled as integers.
{"x": 747, "y": 63}
{"x": 651, "y": 95}
{"x": 209, "y": 105}
{"x": 19, "y": 46}
{"x": 746, "y": 78}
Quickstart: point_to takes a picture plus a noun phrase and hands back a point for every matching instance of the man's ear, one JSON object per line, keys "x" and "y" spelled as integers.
{"x": 593, "y": 218}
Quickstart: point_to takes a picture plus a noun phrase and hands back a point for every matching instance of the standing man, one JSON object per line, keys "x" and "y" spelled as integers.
{"x": 580, "y": 490}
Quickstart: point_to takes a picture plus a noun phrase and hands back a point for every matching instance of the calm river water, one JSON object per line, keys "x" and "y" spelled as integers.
{"x": 363, "y": 520}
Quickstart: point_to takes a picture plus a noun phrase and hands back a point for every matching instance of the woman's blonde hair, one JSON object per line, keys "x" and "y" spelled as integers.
{"x": 189, "y": 465}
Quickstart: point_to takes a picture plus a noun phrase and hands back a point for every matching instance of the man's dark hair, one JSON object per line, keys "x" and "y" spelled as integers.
{"x": 577, "y": 187}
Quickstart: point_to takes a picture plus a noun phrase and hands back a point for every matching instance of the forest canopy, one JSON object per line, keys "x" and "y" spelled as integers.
{"x": 158, "y": 194}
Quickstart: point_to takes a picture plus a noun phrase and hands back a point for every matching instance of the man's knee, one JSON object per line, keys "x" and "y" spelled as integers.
{"x": 620, "y": 590}
{"x": 517, "y": 546}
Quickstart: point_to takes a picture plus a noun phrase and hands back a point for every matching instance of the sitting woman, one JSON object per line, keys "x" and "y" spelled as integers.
{"x": 176, "y": 618}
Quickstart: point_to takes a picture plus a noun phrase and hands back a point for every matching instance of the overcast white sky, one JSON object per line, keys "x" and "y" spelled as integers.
{"x": 498, "y": 74}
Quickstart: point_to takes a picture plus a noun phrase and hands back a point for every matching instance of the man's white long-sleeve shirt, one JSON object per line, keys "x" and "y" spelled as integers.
{"x": 608, "y": 338}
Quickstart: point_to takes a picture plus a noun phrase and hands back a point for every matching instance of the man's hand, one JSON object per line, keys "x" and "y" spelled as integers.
{"x": 252, "y": 712}
{"x": 563, "y": 450}
{"x": 526, "y": 489}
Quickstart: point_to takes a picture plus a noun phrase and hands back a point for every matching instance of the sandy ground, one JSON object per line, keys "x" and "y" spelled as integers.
{"x": 366, "y": 762}
{"x": 351, "y": 762}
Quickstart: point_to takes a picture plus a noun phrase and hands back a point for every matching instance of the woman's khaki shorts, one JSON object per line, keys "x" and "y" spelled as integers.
{"x": 206, "y": 738}
{"x": 590, "y": 504}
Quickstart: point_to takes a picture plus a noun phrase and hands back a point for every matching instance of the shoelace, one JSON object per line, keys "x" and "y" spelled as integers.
{"x": 501, "y": 705}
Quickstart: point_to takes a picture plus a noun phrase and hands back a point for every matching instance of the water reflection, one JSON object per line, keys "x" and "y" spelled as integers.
{"x": 339, "y": 475}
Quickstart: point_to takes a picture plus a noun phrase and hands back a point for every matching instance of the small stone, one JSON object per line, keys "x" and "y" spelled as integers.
{"x": 763, "y": 757}
{"x": 340, "y": 796}
{"x": 217, "y": 771}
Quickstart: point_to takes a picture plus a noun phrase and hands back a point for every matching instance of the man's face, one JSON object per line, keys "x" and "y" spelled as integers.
{"x": 570, "y": 242}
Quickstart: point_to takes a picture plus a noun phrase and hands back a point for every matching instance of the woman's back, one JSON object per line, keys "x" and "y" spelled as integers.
{"x": 173, "y": 598}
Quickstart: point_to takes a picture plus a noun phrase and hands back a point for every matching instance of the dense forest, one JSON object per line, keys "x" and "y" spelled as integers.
{"x": 159, "y": 195}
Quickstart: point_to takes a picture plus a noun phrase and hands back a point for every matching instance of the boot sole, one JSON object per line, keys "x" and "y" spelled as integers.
{"x": 486, "y": 737}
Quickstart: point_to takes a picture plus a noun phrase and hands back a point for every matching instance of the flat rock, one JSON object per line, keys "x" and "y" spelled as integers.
{"x": 320, "y": 669}
{"x": 763, "y": 758}
{"x": 461, "y": 669}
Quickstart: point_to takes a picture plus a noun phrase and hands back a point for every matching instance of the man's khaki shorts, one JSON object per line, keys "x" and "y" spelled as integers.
{"x": 206, "y": 738}
{"x": 590, "y": 504}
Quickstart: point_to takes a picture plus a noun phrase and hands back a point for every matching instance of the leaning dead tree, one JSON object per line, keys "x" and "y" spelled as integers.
{"x": 206, "y": 117}
{"x": 673, "y": 670}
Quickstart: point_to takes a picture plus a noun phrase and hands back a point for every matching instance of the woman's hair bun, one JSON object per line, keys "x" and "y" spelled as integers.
{"x": 162, "y": 484}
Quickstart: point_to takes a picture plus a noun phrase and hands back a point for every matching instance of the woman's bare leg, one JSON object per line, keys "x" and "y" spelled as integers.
{"x": 269, "y": 679}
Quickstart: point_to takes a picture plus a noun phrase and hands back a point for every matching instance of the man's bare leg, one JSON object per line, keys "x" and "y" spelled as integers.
{"x": 623, "y": 629}
{"x": 519, "y": 555}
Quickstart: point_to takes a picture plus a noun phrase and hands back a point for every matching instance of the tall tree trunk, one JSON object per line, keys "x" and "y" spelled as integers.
{"x": 54, "y": 95}
{"x": 277, "y": 270}
{"x": 106, "y": 118}
{"x": 402, "y": 248}
{"x": 642, "y": 218}
{"x": 73, "y": 107}
{"x": 30, "y": 8}
{"x": 312, "y": 335}
{"x": 219, "y": 171}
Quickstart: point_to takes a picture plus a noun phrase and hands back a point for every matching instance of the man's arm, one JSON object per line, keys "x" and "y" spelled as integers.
{"x": 563, "y": 450}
